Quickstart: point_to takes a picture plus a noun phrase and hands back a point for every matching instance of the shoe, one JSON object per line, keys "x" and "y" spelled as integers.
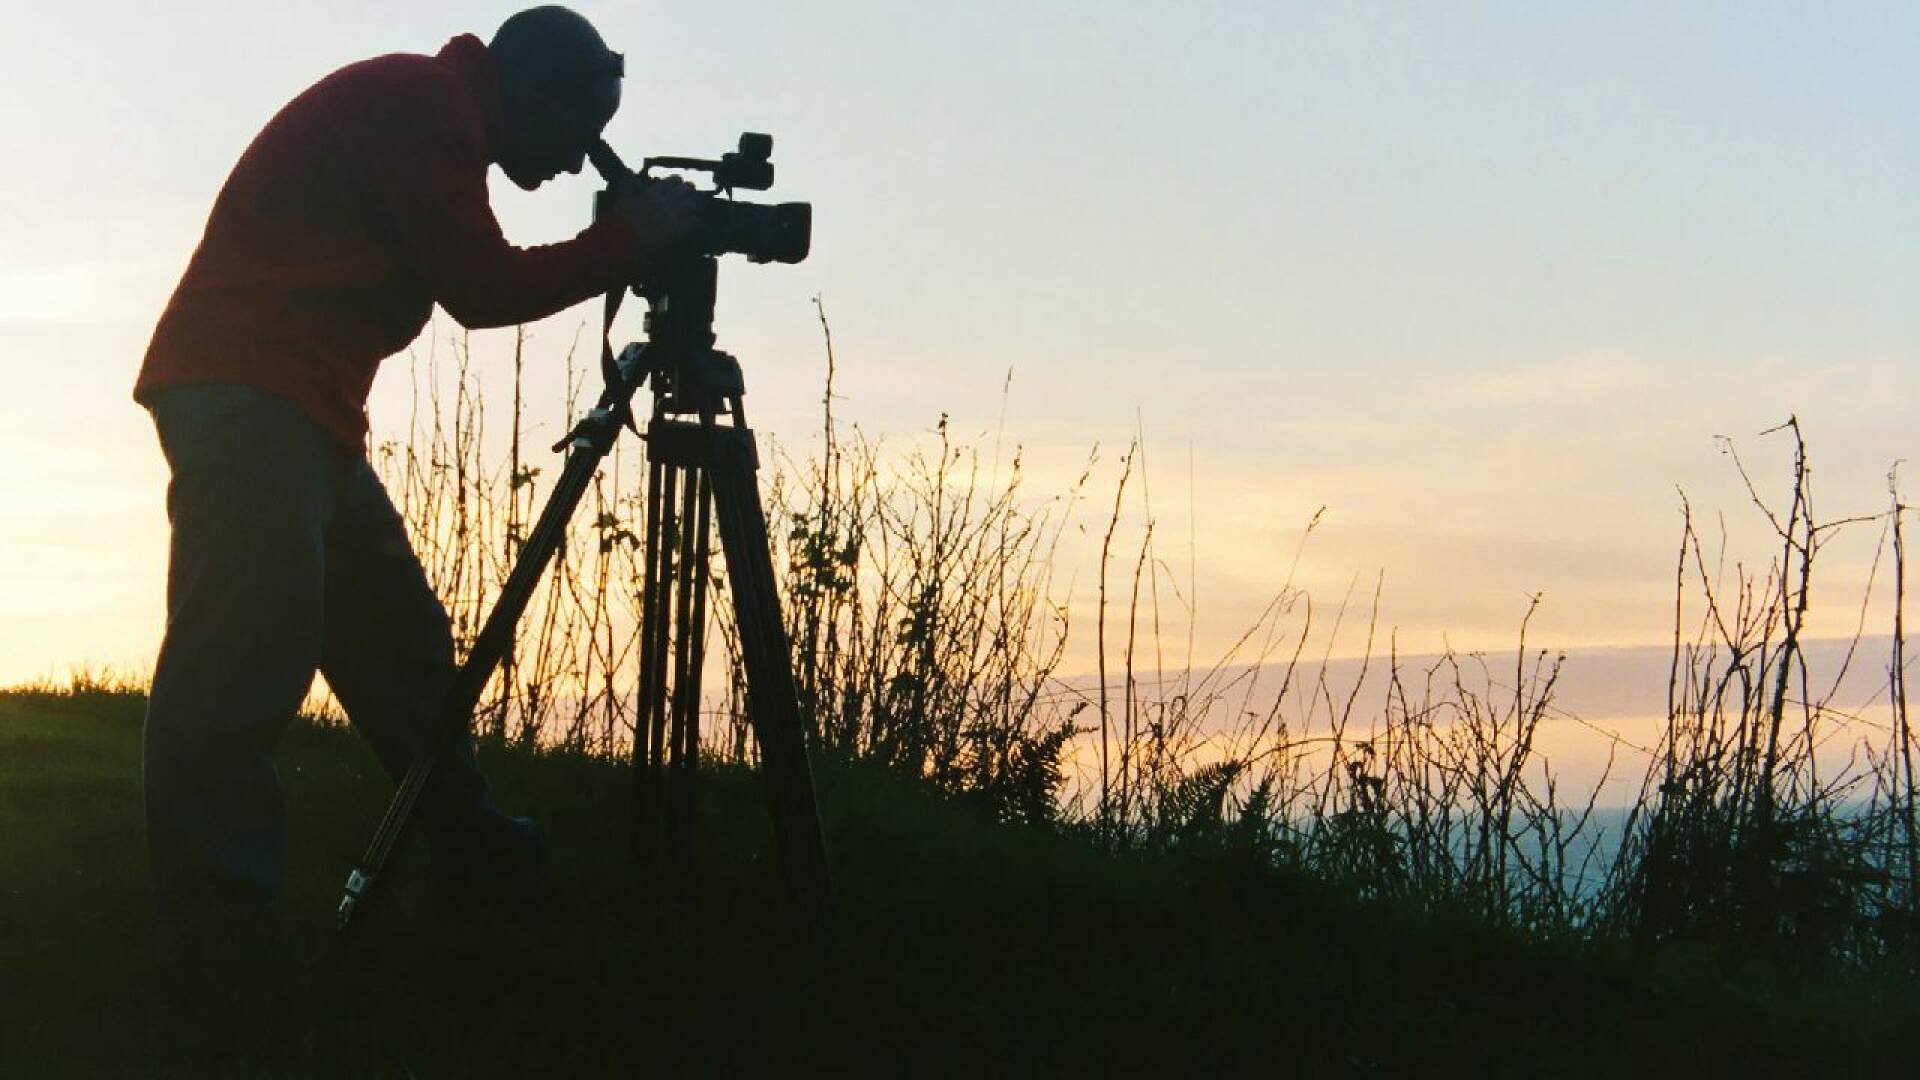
{"x": 498, "y": 864}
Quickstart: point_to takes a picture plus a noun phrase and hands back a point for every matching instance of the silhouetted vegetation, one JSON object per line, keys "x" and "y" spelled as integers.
{"x": 922, "y": 589}
{"x": 1738, "y": 837}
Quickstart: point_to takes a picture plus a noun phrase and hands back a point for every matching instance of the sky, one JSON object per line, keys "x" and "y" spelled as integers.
{"x": 1485, "y": 281}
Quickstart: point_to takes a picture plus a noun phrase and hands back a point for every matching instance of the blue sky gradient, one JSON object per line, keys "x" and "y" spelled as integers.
{"x": 1483, "y": 279}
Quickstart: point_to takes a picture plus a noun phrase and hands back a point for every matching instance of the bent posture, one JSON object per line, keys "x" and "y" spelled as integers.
{"x": 359, "y": 206}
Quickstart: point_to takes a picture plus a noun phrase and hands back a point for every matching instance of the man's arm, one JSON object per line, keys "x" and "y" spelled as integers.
{"x": 435, "y": 194}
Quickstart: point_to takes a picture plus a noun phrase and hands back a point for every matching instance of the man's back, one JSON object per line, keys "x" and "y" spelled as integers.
{"x": 357, "y": 207}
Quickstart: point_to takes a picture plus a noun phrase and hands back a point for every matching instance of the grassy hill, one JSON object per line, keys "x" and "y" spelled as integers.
{"x": 966, "y": 949}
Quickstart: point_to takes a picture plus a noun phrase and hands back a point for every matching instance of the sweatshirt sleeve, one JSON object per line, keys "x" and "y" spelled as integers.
{"x": 429, "y": 170}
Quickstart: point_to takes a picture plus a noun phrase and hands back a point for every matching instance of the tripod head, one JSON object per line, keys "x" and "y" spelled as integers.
{"x": 689, "y": 375}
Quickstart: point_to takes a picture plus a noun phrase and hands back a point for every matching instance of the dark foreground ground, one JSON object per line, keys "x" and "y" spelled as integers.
{"x": 966, "y": 950}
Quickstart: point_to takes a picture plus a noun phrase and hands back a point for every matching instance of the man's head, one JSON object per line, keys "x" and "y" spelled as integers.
{"x": 559, "y": 85}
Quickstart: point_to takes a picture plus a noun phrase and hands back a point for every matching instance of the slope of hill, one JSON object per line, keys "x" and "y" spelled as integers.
{"x": 965, "y": 949}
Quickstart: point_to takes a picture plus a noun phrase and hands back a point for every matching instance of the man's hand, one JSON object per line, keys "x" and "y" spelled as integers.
{"x": 662, "y": 214}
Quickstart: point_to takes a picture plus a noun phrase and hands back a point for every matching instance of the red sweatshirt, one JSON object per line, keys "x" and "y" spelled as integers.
{"x": 356, "y": 209}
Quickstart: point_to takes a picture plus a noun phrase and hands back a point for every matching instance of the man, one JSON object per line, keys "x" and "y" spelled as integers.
{"x": 356, "y": 209}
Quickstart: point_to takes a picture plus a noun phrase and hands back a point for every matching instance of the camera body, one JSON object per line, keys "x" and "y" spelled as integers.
{"x": 780, "y": 232}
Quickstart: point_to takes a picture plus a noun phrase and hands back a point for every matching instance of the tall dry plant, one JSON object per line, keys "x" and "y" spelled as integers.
{"x": 1739, "y": 833}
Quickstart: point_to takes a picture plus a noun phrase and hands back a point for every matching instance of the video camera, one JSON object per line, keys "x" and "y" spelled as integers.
{"x": 763, "y": 233}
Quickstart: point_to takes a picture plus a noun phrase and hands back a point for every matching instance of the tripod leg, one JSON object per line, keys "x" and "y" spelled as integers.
{"x": 589, "y": 444}
{"x": 663, "y": 616}
{"x": 697, "y": 627}
{"x": 684, "y": 735}
{"x": 772, "y": 704}
{"x": 650, "y": 715}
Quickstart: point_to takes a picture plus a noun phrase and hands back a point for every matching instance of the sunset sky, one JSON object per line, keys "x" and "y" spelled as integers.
{"x": 1483, "y": 280}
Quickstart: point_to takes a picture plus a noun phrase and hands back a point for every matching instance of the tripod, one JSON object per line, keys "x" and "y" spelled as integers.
{"x": 701, "y": 471}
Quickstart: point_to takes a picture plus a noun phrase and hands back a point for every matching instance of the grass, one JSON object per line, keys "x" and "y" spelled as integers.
{"x": 967, "y": 948}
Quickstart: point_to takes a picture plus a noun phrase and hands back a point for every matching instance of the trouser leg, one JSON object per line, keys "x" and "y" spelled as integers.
{"x": 252, "y": 486}
{"x": 387, "y": 650}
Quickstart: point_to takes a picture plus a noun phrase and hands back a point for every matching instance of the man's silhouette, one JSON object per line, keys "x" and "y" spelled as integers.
{"x": 357, "y": 208}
